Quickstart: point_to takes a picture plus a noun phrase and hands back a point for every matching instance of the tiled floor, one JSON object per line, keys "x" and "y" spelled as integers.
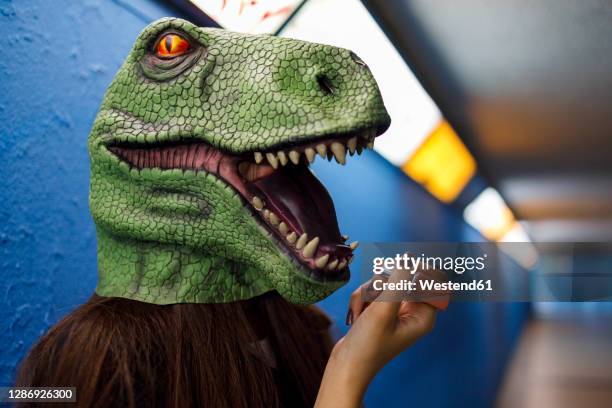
{"x": 561, "y": 363}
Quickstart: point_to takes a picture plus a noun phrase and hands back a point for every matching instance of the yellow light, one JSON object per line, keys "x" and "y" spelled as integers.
{"x": 490, "y": 215}
{"x": 442, "y": 164}
{"x": 496, "y": 232}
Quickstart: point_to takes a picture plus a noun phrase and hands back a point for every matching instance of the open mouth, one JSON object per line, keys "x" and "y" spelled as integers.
{"x": 285, "y": 195}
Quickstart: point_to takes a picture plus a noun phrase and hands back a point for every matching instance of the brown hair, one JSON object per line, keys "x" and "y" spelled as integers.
{"x": 120, "y": 352}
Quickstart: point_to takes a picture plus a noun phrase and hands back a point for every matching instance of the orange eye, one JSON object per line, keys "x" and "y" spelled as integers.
{"x": 172, "y": 45}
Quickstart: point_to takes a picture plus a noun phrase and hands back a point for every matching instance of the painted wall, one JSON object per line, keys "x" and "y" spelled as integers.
{"x": 61, "y": 56}
{"x": 58, "y": 58}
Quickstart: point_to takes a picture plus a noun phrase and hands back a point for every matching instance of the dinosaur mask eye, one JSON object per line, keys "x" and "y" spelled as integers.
{"x": 171, "y": 45}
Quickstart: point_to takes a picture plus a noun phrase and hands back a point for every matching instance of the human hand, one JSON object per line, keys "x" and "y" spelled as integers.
{"x": 380, "y": 331}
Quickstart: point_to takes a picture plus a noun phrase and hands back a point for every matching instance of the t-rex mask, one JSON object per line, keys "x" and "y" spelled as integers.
{"x": 200, "y": 186}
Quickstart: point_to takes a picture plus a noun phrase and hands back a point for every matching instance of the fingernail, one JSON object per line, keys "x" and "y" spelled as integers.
{"x": 349, "y": 317}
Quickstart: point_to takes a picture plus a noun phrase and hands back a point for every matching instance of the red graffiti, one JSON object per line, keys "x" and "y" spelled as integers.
{"x": 244, "y": 4}
{"x": 283, "y": 10}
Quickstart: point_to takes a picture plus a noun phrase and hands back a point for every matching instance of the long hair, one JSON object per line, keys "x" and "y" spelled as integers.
{"x": 120, "y": 352}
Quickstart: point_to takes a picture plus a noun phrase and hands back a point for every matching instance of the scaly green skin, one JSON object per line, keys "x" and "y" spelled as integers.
{"x": 176, "y": 236}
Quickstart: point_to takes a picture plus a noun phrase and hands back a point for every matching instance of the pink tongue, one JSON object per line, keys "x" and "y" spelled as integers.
{"x": 295, "y": 194}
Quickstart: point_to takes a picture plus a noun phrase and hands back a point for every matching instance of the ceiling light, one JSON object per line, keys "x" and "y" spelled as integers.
{"x": 442, "y": 164}
{"x": 516, "y": 244}
{"x": 489, "y": 214}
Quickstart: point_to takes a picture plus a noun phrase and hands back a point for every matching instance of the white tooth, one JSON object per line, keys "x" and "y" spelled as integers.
{"x": 345, "y": 238}
{"x": 272, "y": 160}
{"x": 302, "y": 241}
{"x": 310, "y": 154}
{"x": 257, "y": 203}
{"x": 292, "y": 237}
{"x": 282, "y": 227}
{"x": 282, "y": 157}
{"x": 266, "y": 214}
{"x": 341, "y": 265}
{"x": 322, "y": 150}
{"x": 354, "y": 245}
{"x": 371, "y": 144}
{"x": 332, "y": 265}
{"x": 274, "y": 220}
{"x": 310, "y": 248}
{"x": 352, "y": 144}
{"x": 294, "y": 156}
{"x": 322, "y": 261}
{"x": 258, "y": 157}
{"x": 339, "y": 152}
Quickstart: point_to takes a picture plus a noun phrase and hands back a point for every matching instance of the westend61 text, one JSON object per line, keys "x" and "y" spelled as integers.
{"x": 433, "y": 285}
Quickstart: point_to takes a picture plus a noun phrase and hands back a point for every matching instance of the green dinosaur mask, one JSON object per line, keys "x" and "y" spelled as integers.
{"x": 200, "y": 187}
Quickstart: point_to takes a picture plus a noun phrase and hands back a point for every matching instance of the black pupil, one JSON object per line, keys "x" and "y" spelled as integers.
{"x": 169, "y": 43}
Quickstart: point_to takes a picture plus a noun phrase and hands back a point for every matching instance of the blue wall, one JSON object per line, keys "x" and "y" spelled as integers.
{"x": 58, "y": 58}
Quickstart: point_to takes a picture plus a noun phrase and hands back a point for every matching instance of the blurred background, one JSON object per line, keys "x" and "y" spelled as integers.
{"x": 502, "y": 132}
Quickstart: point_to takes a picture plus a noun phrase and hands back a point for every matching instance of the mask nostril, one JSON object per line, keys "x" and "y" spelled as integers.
{"x": 325, "y": 84}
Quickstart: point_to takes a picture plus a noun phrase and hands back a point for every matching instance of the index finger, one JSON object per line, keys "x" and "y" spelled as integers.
{"x": 387, "y": 303}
